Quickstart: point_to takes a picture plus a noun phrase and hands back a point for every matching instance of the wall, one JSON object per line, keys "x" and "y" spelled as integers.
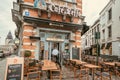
{"x": 28, "y": 29}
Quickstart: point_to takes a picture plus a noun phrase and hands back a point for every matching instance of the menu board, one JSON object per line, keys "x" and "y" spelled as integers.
{"x": 75, "y": 53}
{"x": 14, "y": 72}
{"x": 14, "y": 68}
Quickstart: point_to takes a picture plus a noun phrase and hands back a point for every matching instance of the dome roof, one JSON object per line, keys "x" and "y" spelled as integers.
{"x": 9, "y": 36}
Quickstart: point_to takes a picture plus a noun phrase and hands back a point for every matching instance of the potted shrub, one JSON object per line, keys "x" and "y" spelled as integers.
{"x": 27, "y": 53}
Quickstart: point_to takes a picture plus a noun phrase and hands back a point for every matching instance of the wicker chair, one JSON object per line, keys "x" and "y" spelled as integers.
{"x": 117, "y": 69}
{"x": 106, "y": 72}
{"x": 84, "y": 72}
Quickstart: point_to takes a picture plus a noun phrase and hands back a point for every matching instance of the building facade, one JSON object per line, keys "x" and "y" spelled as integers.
{"x": 45, "y": 24}
{"x": 108, "y": 26}
{"x": 89, "y": 42}
{"x": 9, "y": 46}
{"x": 110, "y": 22}
{"x": 9, "y": 39}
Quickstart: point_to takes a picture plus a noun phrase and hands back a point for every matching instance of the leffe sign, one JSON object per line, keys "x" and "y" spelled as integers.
{"x": 41, "y": 4}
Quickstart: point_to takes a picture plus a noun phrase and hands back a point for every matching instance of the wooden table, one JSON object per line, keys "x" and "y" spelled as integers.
{"x": 78, "y": 61}
{"x": 91, "y": 66}
{"x": 110, "y": 63}
{"x": 49, "y": 65}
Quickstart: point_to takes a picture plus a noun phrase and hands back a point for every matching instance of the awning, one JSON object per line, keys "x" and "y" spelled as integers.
{"x": 103, "y": 45}
{"x": 49, "y": 22}
{"x": 108, "y": 45}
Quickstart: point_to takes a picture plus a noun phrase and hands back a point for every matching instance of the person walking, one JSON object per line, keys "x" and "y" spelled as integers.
{"x": 55, "y": 53}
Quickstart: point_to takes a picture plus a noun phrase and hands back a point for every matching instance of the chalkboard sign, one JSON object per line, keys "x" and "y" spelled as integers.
{"x": 14, "y": 72}
{"x": 75, "y": 53}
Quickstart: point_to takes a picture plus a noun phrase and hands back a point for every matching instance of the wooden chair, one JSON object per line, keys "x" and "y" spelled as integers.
{"x": 106, "y": 72}
{"x": 25, "y": 69}
{"x": 84, "y": 72}
{"x": 117, "y": 69}
{"x": 76, "y": 69}
{"x": 98, "y": 74}
{"x": 56, "y": 73}
{"x": 72, "y": 65}
{"x": 33, "y": 75}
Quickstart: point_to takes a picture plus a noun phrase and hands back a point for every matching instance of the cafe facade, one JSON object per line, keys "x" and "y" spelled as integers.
{"x": 43, "y": 25}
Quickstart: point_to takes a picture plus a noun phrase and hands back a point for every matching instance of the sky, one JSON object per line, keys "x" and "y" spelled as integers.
{"x": 91, "y": 10}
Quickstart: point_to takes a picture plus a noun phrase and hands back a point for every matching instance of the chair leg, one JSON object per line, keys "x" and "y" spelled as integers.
{"x": 74, "y": 73}
{"x": 60, "y": 75}
{"x": 110, "y": 76}
{"x": 50, "y": 75}
{"x": 87, "y": 76}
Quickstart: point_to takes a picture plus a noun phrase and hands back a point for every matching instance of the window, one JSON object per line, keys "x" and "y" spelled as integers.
{"x": 109, "y": 32}
{"x": 103, "y": 31}
{"x": 98, "y": 30}
{"x": 110, "y": 14}
{"x": 86, "y": 42}
{"x": 92, "y": 32}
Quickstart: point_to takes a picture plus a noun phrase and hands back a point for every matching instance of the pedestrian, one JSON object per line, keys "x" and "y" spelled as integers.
{"x": 55, "y": 53}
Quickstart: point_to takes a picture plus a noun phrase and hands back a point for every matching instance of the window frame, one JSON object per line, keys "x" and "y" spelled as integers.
{"x": 109, "y": 14}
{"x": 109, "y": 31}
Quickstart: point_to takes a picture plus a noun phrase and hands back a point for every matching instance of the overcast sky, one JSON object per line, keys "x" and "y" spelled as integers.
{"x": 91, "y": 9}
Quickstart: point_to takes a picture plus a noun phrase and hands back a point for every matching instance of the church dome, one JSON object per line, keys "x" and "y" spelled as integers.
{"x": 9, "y": 36}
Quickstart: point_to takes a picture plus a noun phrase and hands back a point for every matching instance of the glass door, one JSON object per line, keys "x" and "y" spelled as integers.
{"x": 51, "y": 46}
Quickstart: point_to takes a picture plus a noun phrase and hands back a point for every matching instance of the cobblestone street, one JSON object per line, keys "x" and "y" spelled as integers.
{"x": 67, "y": 74}
{"x": 2, "y": 68}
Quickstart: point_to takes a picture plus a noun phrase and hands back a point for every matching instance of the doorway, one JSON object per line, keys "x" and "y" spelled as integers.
{"x": 51, "y": 46}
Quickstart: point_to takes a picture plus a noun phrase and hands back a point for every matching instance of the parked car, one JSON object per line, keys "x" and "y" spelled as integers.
{"x": 2, "y": 54}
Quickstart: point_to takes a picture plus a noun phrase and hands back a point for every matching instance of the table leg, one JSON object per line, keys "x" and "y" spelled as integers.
{"x": 92, "y": 74}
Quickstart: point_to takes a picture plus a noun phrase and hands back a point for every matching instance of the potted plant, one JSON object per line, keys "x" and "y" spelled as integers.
{"x": 27, "y": 53}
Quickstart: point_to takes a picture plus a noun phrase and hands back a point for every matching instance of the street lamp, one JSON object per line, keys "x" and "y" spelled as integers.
{"x": 17, "y": 42}
{"x": 97, "y": 37}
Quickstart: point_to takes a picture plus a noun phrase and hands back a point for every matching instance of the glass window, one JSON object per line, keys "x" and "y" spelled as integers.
{"x": 41, "y": 55}
{"x": 103, "y": 34}
{"x": 109, "y": 32}
{"x": 110, "y": 14}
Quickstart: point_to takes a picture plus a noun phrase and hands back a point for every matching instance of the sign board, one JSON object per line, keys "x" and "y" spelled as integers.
{"x": 14, "y": 68}
{"x": 65, "y": 10}
{"x": 75, "y": 53}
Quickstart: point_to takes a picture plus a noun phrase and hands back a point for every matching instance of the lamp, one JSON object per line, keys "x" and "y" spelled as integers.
{"x": 97, "y": 36}
{"x": 16, "y": 41}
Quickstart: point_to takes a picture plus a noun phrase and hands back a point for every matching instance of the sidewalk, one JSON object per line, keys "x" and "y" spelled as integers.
{"x": 3, "y": 67}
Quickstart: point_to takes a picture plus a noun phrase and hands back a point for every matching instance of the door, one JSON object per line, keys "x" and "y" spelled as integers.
{"x": 51, "y": 46}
